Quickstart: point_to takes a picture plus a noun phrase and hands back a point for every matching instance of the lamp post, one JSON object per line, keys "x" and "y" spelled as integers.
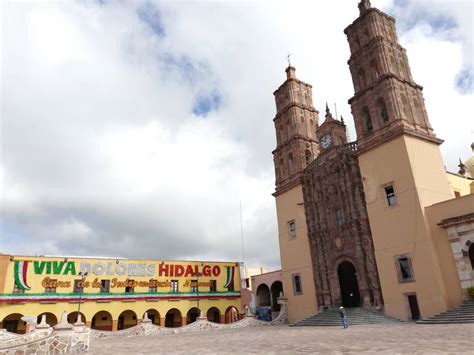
{"x": 83, "y": 277}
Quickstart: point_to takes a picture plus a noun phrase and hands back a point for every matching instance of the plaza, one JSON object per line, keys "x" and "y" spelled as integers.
{"x": 397, "y": 338}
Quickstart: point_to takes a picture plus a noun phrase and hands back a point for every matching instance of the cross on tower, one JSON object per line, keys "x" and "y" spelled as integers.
{"x": 288, "y": 58}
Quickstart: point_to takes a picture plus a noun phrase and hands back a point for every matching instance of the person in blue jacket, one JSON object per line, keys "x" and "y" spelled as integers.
{"x": 342, "y": 312}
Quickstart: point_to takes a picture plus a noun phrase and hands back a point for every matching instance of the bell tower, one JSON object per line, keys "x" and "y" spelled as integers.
{"x": 296, "y": 122}
{"x": 400, "y": 164}
{"x": 387, "y": 102}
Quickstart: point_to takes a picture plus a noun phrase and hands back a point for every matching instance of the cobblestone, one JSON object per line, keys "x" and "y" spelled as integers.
{"x": 396, "y": 338}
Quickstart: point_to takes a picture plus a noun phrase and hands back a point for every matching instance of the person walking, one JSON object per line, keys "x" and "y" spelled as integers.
{"x": 342, "y": 312}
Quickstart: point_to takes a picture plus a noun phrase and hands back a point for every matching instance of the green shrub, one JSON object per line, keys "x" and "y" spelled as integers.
{"x": 470, "y": 291}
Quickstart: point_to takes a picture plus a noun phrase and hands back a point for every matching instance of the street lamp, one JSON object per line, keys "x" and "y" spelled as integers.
{"x": 81, "y": 290}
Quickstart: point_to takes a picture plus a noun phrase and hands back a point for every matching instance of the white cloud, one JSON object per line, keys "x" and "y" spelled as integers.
{"x": 101, "y": 154}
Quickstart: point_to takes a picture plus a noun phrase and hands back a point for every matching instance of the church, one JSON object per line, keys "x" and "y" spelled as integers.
{"x": 377, "y": 222}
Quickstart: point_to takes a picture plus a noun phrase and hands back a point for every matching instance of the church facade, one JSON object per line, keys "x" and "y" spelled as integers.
{"x": 356, "y": 221}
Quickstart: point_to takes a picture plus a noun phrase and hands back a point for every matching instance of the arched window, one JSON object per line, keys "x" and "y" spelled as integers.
{"x": 375, "y": 69}
{"x": 406, "y": 109}
{"x": 362, "y": 78}
{"x": 418, "y": 112}
{"x": 366, "y": 35}
{"x": 357, "y": 40}
{"x": 308, "y": 157}
{"x": 383, "y": 113}
{"x": 393, "y": 65}
{"x": 290, "y": 164}
{"x": 367, "y": 120}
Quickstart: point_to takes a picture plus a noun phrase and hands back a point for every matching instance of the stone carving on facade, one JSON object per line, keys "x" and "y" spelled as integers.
{"x": 338, "y": 226}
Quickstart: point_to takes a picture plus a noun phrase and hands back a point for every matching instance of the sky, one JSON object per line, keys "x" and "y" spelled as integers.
{"x": 142, "y": 129}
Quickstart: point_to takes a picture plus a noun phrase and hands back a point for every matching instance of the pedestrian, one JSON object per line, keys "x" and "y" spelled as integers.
{"x": 342, "y": 312}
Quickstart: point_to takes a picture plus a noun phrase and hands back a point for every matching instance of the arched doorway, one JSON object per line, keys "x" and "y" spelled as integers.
{"x": 276, "y": 288}
{"x": 102, "y": 320}
{"x": 471, "y": 255}
{"x": 72, "y": 317}
{"x": 173, "y": 318}
{"x": 127, "y": 319}
{"x": 192, "y": 315}
{"x": 263, "y": 296}
{"x": 231, "y": 315}
{"x": 154, "y": 316}
{"x": 348, "y": 282}
{"x": 213, "y": 315}
{"x": 51, "y": 319}
{"x": 13, "y": 323}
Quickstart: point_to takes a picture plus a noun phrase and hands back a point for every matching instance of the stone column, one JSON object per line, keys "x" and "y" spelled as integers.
{"x": 114, "y": 325}
{"x": 88, "y": 324}
{"x": 163, "y": 322}
{"x": 183, "y": 321}
{"x": 222, "y": 318}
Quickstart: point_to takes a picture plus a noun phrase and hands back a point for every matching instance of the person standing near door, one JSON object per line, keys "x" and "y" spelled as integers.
{"x": 343, "y": 315}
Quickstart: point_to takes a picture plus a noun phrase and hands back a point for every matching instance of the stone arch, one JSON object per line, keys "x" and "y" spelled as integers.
{"x": 213, "y": 315}
{"x": 406, "y": 109}
{"x": 419, "y": 117}
{"x": 127, "y": 319}
{"x": 263, "y": 295}
{"x": 153, "y": 315}
{"x": 173, "y": 318}
{"x": 13, "y": 323}
{"x": 72, "y": 317}
{"x": 231, "y": 314}
{"x": 362, "y": 78}
{"x": 374, "y": 68}
{"x": 468, "y": 251}
{"x": 382, "y": 111}
{"x": 276, "y": 288}
{"x": 349, "y": 284}
{"x": 102, "y": 320}
{"x": 192, "y": 315}
{"x": 367, "y": 120}
{"x": 51, "y": 319}
{"x": 471, "y": 255}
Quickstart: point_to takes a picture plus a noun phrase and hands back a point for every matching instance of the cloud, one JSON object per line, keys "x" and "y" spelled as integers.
{"x": 105, "y": 148}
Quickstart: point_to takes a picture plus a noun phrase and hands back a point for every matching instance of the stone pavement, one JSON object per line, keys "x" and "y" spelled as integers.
{"x": 393, "y": 338}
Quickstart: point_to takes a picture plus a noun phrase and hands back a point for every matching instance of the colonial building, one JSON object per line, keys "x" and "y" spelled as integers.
{"x": 372, "y": 222}
{"x": 114, "y": 293}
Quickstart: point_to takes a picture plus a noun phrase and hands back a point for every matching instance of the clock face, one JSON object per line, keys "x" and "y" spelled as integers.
{"x": 326, "y": 141}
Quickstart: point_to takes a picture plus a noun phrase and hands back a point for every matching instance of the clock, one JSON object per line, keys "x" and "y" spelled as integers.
{"x": 326, "y": 141}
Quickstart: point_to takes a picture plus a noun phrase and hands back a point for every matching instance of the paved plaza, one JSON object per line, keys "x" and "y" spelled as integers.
{"x": 403, "y": 338}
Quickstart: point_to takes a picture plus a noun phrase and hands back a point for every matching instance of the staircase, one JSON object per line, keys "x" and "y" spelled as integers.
{"x": 355, "y": 316}
{"x": 462, "y": 314}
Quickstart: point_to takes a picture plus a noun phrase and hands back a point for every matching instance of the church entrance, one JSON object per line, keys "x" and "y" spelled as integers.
{"x": 348, "y": 282}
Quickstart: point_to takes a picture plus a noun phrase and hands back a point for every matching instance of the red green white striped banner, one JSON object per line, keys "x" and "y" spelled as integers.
{"x": 21, "y": 270}
{"x": 230, "y": 276}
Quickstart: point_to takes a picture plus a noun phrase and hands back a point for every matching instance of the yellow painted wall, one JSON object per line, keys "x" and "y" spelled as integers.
{"x": 436, "y": 213}
{"x": 459, "y": 184}
{"x": 417, "y": 172}
{"x": 295, "y": 255}
{"x": 162, "y": 301}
